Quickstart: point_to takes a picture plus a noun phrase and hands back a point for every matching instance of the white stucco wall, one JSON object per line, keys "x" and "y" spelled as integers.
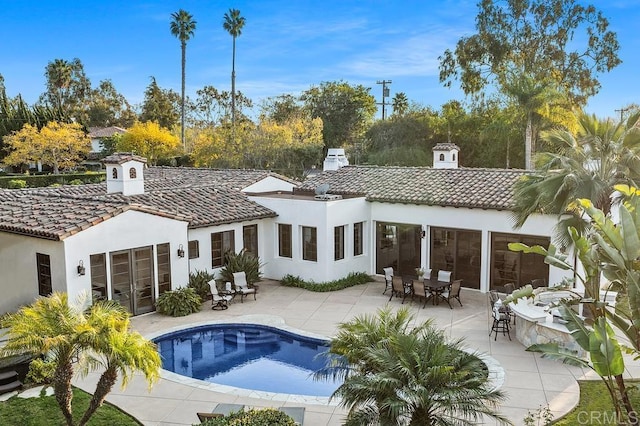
{"x": 486, "y": 221}
{"x": 127, "y": 230}
{"x": 269, "y": 184}
{"x": 324, "y": 216}
{"x": 18, "y": 271}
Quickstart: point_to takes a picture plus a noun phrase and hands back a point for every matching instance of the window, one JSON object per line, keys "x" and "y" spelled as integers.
{"x": 338, "y": 243}
{"x": 441, "y": 157}
{"x": 114, "y": 173}
{"x": 132, "y": 172}
{"x": 284, "y": 240}
{"x": 43, "y": 262}
{"x": 221, "y": 243}
{"x": 194, "y": 249}
{"x": 453, "y": 157}
{"x": 458, "y": 251}
{"x": 358, "y": 234}
{"x": 164, "y": 268}
{"x": 98, "y": 266}
{"x": 250, "y": 239}
{"x": 309, "y": 243}
{"x": 515, "y": 267}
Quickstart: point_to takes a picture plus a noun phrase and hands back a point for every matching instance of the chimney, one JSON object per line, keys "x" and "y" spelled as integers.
{"x": 445, "y": 156}
{"x": 125, "y": 173}
{"x": 335, "y": 159}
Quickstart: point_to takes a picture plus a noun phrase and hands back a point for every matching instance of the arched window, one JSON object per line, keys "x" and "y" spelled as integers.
{"x": 114, "y": 173}
{"x": 441, "y": 157}
{"x": 132, "y": 173}
{"x": 454, "y": 157}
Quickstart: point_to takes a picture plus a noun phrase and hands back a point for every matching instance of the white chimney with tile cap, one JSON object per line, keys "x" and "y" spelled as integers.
{"x": 335, "y": 159}
{"x": 125, "y": 173}
{"x": 445, "y": 156}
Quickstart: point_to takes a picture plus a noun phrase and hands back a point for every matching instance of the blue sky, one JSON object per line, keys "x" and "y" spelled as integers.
{"x": 286, "y": 46}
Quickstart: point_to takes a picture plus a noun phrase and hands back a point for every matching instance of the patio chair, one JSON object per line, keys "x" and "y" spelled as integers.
{"x": 388, "y": 275}
{"x": 398, "y": 288}
{"x": 296, "y": 413}
{"x": 509, "y": 288}
{"x": 444, "y": 276}
{"x": 218, "y": 301}
{"x": 501, "y": 320}
{"x": 240, "y": 281}
{"x": 420, "y": 291}
{"x": 453, "y": 292}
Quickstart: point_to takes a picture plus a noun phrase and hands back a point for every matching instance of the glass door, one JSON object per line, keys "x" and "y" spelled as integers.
{"x": 121, "y": 278}
{"x": 144, "y": 296}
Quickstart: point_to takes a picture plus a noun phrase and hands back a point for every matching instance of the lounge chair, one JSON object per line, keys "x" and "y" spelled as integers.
{"x": 388, "y": 275}
{"x": 240, "y": 281}
{"x": 296, "y": 413}
{"x": 218, "y": 301}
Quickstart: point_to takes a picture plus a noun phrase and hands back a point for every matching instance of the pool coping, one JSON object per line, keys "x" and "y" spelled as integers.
{"x": 496, "y": 372}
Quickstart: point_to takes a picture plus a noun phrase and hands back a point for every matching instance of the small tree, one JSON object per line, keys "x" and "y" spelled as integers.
{"x": 149, "y": 140}
{"x": 59, "y": 145}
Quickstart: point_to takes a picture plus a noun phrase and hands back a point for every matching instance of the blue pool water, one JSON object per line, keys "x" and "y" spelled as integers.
{"x": 247, "y": 356}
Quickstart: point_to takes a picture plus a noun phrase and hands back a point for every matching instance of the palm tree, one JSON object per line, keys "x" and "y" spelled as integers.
{"x": 233, "y": 24}
{"x": 100, "y": 336}
{"x": 601, "y": 155}
{"x": 400, "y": 104}
{"x": 400, "y": 374}
{"x": 59, "y": 73}
{"x": 183, "y": 27}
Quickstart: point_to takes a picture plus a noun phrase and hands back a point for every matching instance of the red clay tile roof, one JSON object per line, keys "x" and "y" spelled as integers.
{"x": 463, "y": 187}
{"x": 203, "y": 197}
{"x": 105, "y": 132}
{"x": 122, "y": 157}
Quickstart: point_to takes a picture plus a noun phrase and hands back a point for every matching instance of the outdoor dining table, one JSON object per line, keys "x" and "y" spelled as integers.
{"x": 436, "y": 288}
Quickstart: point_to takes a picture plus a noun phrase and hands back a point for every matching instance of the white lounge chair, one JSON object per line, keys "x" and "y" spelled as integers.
{"x": 240, "y": 281}
{"x": 218, "y": 301}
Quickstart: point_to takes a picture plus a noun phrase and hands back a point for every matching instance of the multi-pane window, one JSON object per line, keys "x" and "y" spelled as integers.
{"x": 164, "y": 268}
{"x": 284, "y": 240}
{"x": 309, "y": 243}
{"x": 358, "y": 234}
{"x": 98, "y": 265}
{"x": 194, "y": 249}
{"x": 221, "y": 243}
{"x": 250, "y": 239}
{"x": 338, "y": 243}
{"x": 516, "y": 267}
{"x": 45, "y": 286}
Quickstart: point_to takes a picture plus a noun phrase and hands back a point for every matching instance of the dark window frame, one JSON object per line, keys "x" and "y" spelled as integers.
{"x": 221, "y": 243}
{"x": 285, "y": 240}
{"x": 338, "y": 242}
{"x": 193, "y": 247}
{"x": 250, "y": 238}
{"x": 358, "y": 238}
{"x": 310, "y": 247}
{"x": 45, "y": 282}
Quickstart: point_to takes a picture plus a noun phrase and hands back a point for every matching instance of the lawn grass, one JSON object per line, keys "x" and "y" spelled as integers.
{"x": 595, "y": 405}
{"x": 45, "y": 411}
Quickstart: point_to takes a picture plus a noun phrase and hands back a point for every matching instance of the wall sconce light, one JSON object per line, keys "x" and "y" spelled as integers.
{"x": 423, "y": 233}
{"x": 81, "y": 270}
{"x": 180, "y": 251}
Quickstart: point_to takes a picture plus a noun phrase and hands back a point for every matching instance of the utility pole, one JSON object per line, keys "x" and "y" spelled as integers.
{"x": 385, "y": 94}
{"x": 621, "y": 111}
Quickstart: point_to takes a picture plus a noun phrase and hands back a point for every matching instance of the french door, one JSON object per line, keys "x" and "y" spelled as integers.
{"x": 132, "y": 279}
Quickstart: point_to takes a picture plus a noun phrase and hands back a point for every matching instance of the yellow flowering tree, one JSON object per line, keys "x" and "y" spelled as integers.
{"x": 59, "y": 145}
{"x": 149, "y": 140}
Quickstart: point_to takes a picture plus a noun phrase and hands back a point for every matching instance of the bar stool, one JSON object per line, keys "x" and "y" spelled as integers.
{"x": 501, "y": 321}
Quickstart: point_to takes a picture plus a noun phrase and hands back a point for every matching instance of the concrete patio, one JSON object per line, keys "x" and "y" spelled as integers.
{"x": 530, "y": 381}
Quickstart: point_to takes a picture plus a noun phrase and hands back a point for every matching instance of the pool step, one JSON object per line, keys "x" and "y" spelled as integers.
{"x": 9, "y": 381}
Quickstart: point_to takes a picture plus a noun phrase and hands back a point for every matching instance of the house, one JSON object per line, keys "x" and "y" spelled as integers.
{"x": 97, "y": 134}
{"x": 142, "y": 232}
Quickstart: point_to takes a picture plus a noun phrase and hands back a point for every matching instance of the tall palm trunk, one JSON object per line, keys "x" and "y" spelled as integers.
{"x": 528, "y": 143}
{"x": 233, "y": 91}
{"x": 62, "y": 389}
{"x": 184, "y": 61}
{"x": 103, "y": 387}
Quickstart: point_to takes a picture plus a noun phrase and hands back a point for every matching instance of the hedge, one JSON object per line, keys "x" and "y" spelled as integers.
{"x": 36, "y": 181}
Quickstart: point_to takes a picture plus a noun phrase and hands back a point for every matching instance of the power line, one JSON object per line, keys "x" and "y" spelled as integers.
{"x": 385, "y": 94}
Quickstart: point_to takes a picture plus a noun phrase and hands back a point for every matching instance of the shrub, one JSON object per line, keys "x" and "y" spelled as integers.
{"x": 199, "y": 281}
{"x": 238, "y": 262}
{"x": 17, "y": 184}
{"x": 41, "y": 371}
{"x": 264, "y": 417}
{"x": 179, "y": 303}
{"x": 76, "y": 182}
{"x": 354, "y": 278}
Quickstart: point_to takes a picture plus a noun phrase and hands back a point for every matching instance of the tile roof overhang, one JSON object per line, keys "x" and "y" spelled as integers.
{"x": 462, "y": 187}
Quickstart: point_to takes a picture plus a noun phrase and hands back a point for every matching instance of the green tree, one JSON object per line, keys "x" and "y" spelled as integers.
{"x": 233, "y": 23}
{"x": 160, "y": 105}
{"x": 395, "y": 373}
{"x": 68, "y": 88}
{"x": 213, "y": 107}
{"x": 346, "y": 111}
{"x": 534, "y": 40}
{"x": 400, "y": 104}
{"x": 182, "y": 27}
{"x": 149, "y": 140}
{"x": 588, "y": 165}
{"x": 53, "y": 327}
{"x": 107, "y": 107}
{"x": 58, "y": 145}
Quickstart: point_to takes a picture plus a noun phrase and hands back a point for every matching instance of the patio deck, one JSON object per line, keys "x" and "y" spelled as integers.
{"x": 530, "y": 381}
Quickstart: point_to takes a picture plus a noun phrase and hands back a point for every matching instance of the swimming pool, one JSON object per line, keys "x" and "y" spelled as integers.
{"x": 249, "y": 356}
